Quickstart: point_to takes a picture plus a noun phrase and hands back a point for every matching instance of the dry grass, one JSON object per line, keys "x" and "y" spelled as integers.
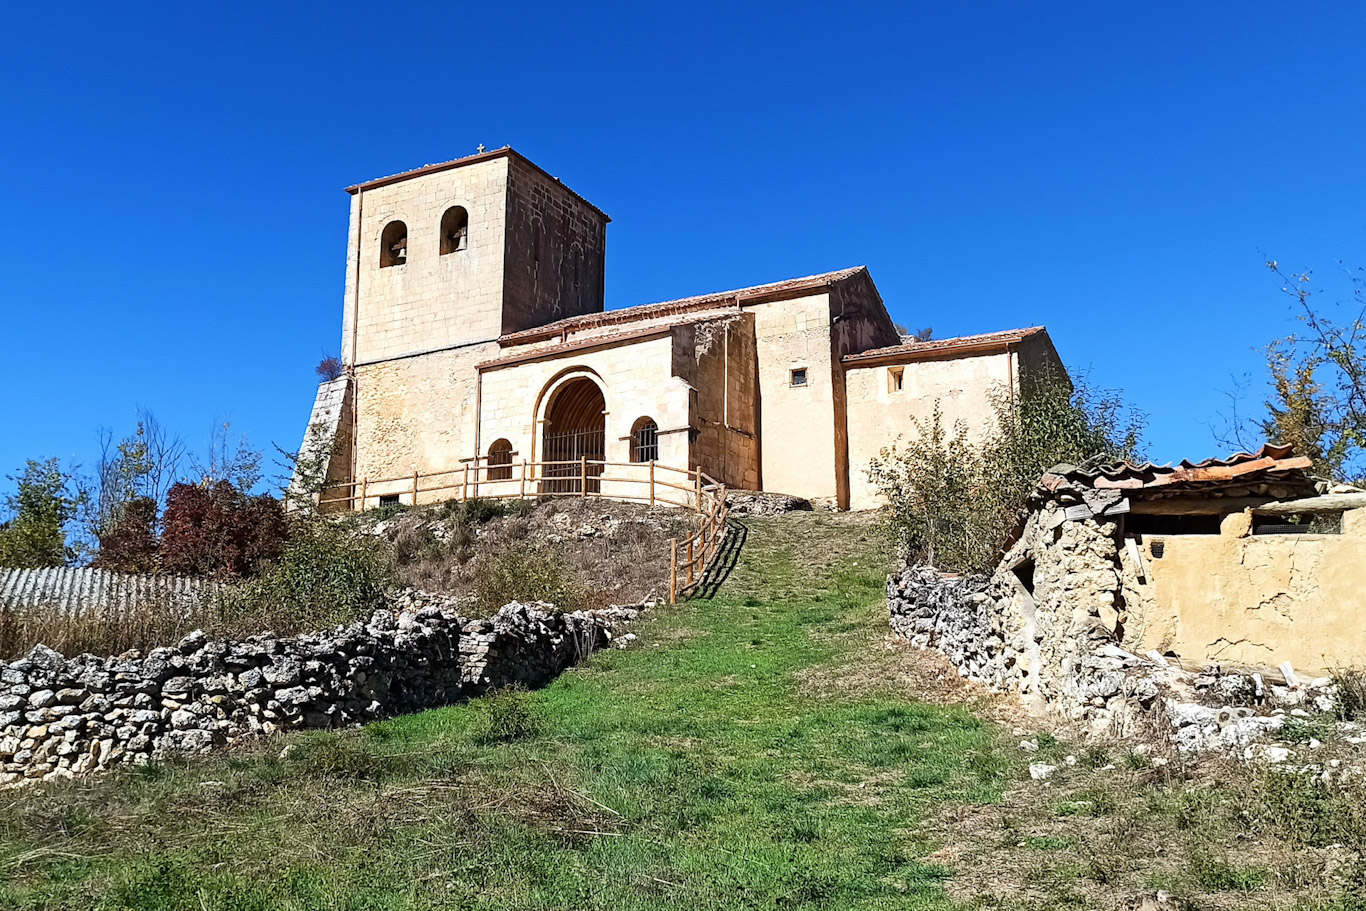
{"x": 444, "y": 550}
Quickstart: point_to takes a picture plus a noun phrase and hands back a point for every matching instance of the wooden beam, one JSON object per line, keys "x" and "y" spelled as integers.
{"x": 1192, "y": 506}
{"x": 1330, "y": 503}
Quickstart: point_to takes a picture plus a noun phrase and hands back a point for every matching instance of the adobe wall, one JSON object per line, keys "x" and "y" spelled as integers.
{"x": 878, "y": 415}
{"x": 1236, "y": 598}
{"x": 797, "y": 438}
{"x": 432, "y": 301}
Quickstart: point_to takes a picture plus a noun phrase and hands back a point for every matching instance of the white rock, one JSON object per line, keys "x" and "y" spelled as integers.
{"x": 1041, "y": 770}
{"x": 1029, "y": 746}
{"x": 1289, "y": 673}
{"x": 1275, "y": 754}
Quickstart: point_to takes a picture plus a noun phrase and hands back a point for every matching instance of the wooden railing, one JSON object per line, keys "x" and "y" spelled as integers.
{"x": 641, "y": 482}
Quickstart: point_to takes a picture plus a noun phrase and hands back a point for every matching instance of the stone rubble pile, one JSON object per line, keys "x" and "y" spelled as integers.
{"x": 1070, "y": 665}
{"x": 758, "y": 503}
{"x": 61, "y": 716}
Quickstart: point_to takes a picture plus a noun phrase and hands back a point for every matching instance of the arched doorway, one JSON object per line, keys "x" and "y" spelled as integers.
{"x": 574, "y": 432}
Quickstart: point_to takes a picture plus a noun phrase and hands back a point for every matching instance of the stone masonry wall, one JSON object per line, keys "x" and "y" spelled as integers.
{"x": 61, "y": 717}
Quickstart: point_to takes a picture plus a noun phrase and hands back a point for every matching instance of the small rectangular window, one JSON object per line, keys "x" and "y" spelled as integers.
{"x": 799, "y": 376}
{"x": 894, "y": 377}
{"x": 388, "y": 499}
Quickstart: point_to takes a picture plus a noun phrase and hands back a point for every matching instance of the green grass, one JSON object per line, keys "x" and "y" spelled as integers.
{"x": 763, "y": 750}
{"x": 705, "y": 769}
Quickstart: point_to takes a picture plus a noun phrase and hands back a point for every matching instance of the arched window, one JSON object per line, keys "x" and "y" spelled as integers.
{"x": 500, "y": 461}
{"x": 393, "y": 245}
{"x": 455, "y": 230}
{"x": 645, "y": 441}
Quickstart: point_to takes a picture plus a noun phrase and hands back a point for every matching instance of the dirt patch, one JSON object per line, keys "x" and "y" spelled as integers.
{"x": 619, "y": 552}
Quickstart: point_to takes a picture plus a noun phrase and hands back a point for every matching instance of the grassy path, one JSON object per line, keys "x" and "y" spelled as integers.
{"x": 763, "y": 750}
{"x": 714, "y": 765}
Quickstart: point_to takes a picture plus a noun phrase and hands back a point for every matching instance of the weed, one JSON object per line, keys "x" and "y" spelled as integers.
{"x": 1216, "y": 874}
{"x": 1350, "y": 704}
{"x": 505, "y": 715}
{"x": 1303, "y": 730}
{"x": 526, "y": 572}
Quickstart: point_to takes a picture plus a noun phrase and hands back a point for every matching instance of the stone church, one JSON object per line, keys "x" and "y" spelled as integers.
{"x": 474, "y": 336}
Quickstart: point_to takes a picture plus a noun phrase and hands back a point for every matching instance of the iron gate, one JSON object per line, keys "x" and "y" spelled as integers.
{"x": 570, "y": 448}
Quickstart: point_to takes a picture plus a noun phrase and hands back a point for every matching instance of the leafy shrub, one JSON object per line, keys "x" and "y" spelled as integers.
{"x": 505, "y": 715}
{"x": 130, "y": 545}
{"x": 528, "y": 572}
{"x": 216, "y": 530}
{"x": 326, "y": 576}
{"x": 41, "y": 507}
{"x": 953, "y": 502}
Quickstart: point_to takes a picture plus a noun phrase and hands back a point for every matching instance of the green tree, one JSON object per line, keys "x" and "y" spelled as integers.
{"x": 1317, "y": 376}
{"x": 953, "y": 503}
{"x": 40, "y": 509}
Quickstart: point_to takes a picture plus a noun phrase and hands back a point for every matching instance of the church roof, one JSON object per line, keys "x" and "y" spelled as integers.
{"x": 963, "y": 344}
{"x": 504, "y": 152}
{"x": 607, "y": 318}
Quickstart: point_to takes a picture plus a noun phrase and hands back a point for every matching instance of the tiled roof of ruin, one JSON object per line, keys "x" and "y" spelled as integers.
{"x": 504, "y": 152}
{"x": 1272, "y": 465}
{"x": 963, "y": 344}
{"x": 677, "y": 307}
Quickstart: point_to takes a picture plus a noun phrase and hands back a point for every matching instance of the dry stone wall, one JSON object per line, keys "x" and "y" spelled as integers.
{"x": 61, "y": 717}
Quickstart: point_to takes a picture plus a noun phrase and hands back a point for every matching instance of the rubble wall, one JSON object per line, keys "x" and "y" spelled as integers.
{"x": 61, "y": 717}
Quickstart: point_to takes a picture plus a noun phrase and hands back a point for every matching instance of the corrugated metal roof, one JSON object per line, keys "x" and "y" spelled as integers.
{"x": 1271, "y": 464}
{"x": 72, "y": 590}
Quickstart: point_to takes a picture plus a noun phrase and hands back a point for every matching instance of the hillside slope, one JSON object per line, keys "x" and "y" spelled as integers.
{"x": 768, "y": 748}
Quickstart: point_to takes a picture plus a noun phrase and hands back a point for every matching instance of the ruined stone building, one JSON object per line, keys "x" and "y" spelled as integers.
{"x": 474, "y": 335}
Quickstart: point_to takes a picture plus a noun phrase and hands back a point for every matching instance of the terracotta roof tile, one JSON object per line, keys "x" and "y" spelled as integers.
{"x": 673, "y": 307}
{"x": 1270, "y": 464}
{"x": 933, "y": 346}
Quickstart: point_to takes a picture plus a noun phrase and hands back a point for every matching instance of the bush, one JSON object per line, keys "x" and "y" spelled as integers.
{"x": 325, "y": 577}
{"x": 953, "y": 502}
{"x": 216, "y": 530}
{"x": 528, "y": 572}
{"x": 505, "y": 715}
{"x": 130, "y": 546}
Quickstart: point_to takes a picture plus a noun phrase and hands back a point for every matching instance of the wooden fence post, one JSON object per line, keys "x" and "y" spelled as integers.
{"x": 523, "y": 479}
{"x": 652, "y": 483}
{"x": 690, "y": 560}
{"x": 583, "y": 474}
{"x": 673, "y": 570}
{"x": 415, "y": 488}
{"x": 364, "y": 486}
{"x": 465, "y": 484}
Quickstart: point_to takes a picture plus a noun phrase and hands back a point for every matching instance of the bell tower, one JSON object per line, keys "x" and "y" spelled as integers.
{"x": 456, "y": 254}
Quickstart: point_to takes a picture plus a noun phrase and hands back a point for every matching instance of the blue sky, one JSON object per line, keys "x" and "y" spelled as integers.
{"x": 174, "y": 223}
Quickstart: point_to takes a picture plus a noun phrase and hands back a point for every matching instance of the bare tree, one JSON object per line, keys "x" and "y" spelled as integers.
{"x": 227, "y": 460}
{"x": 142, "y": 465}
